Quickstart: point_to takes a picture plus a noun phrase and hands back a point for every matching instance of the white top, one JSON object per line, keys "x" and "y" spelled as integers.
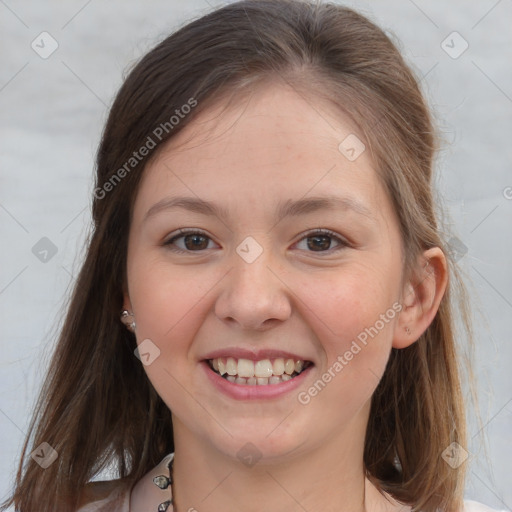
{"x": 146, "y": 496}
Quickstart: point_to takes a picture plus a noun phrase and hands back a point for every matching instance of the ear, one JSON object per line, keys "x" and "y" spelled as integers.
{"x": 126, "y": 299}
{"x": 128, "y": 318}
{"x": 421, "y": 297}
{"x": 126, "y": 302}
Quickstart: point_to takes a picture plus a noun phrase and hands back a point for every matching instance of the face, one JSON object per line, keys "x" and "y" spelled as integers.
{"x": 269, "y": 275}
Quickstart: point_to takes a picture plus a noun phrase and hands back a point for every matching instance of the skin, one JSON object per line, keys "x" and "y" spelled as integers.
{"x": 309, "y": 300}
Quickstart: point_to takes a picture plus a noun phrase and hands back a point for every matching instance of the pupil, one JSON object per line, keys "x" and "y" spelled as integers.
{"x": 323, "y": 240}
{"x": 325, "y": 245}
{"x": 196, "y": 245}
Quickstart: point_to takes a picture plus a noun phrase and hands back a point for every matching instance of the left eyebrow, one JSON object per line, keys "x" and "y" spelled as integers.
{"x": 285, "y": 209}
{"x": 314, "y": 204}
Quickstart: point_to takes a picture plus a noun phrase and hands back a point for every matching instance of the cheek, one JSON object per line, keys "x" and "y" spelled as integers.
{"x": 355, "y": 345}
{"x": 168, "y": 303}
{"x": 165, "y": 298}
{"x": 353, "y": 318}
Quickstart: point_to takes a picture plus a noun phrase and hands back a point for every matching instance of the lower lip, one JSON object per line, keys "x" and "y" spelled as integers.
{"x": 247, "y": 392}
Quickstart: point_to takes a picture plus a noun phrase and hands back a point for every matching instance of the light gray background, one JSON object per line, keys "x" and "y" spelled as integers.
{"x": 52, "y": 112}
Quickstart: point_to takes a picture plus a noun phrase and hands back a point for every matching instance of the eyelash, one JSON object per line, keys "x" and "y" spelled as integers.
{"x": 310, "y": 234}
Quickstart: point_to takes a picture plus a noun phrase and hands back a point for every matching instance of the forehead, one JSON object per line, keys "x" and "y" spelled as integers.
{"x": 271, "y": 120}
{"x": 272, "y": 144}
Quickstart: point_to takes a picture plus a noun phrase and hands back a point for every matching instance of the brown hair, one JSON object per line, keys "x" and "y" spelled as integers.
{"x": 97, "y": 405}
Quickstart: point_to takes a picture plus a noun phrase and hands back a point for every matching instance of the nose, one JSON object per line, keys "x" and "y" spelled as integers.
{"x": 254, "y": 296}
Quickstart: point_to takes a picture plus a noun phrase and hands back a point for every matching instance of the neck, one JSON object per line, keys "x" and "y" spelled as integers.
{"x": 329, "y": 478}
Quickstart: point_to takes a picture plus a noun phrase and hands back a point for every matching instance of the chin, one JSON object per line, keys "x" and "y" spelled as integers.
{"x": 251, "y": 443}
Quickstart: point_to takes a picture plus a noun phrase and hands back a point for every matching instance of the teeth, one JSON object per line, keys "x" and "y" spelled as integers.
{"x": 245, "y": 368}
{"x": 263, "y": 368}
{"x": 289, "y": 366}
{"x": 231, "y": 366}
{"x": 253, "y": 373}
{"x": 278, "y": 366}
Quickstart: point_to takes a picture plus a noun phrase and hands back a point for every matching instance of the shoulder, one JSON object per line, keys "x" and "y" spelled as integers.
{"x": 475, "y": 506}
{"x": 105, "y": 494}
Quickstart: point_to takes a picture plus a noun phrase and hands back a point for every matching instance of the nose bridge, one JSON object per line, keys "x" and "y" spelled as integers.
{"x": 252, "y": 292}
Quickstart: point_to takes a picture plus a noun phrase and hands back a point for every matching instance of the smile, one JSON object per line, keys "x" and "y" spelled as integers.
{"x": 257, "y": 373}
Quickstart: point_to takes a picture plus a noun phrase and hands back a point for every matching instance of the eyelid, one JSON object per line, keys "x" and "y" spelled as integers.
{"x": 343, "y": 242}
{"x": 182, "y": 232}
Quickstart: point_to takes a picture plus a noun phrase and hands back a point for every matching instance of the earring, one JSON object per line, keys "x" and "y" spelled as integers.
{"x": 128, "y": 319}
{"x": 407, "y": 330}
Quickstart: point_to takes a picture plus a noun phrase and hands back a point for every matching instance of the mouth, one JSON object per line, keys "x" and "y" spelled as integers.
{"x": 247, "y": 372}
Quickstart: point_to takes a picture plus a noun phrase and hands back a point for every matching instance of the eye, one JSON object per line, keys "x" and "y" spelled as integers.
{"x": 318, "y": 240}
{"x": 321, "y": 239}
{"x": 194, "y": 241}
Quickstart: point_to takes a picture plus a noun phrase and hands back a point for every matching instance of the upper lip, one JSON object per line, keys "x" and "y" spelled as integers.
{"x": 253, "y": 355}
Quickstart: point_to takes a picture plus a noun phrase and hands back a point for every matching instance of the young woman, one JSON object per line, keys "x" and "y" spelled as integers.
{"x": 265, "y": 318}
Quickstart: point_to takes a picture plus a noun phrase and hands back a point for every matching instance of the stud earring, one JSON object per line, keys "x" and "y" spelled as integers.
{"x": 128, "y": 319}
{"x": 407, "y": 330}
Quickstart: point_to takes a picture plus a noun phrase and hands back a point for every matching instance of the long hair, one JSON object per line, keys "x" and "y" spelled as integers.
{"x": 97, "y": 407}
